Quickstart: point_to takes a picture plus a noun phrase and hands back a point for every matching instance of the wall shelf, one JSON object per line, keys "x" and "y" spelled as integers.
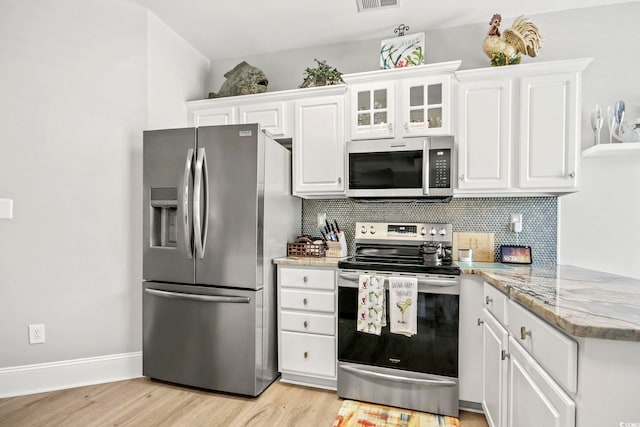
{"x": 615, "y": 149}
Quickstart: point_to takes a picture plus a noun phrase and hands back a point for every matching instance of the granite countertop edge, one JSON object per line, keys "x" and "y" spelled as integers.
{"x": 581, "y": 302}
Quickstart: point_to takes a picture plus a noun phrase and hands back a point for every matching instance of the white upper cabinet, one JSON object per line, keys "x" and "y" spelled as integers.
{"x": 484, "y": 134}
{"x": 519, "y": 128}
{"x": 372, "y": 113}
{"x": 212, "y": 116}
{"x": 275, "y": 117}
{"x": 549, "y": 131}
{"x": 402, "y": 102}
{"x": 272, "y": 110}
{"x": 426, "y": 106}
{"x": 318, "y": 146}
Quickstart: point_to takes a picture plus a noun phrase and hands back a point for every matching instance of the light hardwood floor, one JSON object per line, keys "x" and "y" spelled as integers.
{"x": 144, "y": 402}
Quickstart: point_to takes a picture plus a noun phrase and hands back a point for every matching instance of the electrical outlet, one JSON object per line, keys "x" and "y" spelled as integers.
{"x": 320, "y": 219}
{"x": 36, "y": 334}
{"x": 516, "y": 223}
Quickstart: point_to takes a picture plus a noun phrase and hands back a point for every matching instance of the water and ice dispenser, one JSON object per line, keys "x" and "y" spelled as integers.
{"x": 164, "y": 212}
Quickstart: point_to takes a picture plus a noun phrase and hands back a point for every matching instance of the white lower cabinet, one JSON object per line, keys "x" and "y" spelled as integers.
{"x": 517, "y": 390}
{"x": 494, "y": 370}
{"x": 307, "y": 347}
{"x": 534, "y": 398}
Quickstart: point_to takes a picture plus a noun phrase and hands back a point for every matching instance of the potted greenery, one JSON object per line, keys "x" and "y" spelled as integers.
{"x": 321, "y": 75}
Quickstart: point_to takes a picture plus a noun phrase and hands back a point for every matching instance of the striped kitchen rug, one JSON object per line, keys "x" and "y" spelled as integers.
{"x": 359, "y": 414}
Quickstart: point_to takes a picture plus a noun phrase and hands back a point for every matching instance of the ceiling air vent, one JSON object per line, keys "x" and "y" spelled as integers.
{"x": 366, "y": 5}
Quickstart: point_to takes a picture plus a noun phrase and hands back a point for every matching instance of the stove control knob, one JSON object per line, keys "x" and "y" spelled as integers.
{"x": 423, "y": 231}
{"x": 443, "y": 232}
{"x": 372, "y": 230}
{"x": 363, "y": 230}
{"x": 432, "y": 231}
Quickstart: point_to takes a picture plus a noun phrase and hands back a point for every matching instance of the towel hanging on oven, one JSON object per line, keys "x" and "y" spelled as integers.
{"x": 370, "y": 304}
{"x": 403, "y": 312}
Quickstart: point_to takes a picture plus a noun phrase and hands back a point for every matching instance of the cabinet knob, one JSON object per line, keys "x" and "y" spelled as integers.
{"x": 390, "y": 126}
{"x": 462, "y": 177}
{"x": 339, "y": 180}
{"x": 304, "y": 301}
{"x": 306, "y": 324}
{"x": 305, "y": 279}
{"x": 504, "y": 354}
{"x": 572, "y": 175}
{"x": 480, "y": 321}
{"x": 524, "y": 333}
{"x": 406, "y": 126}
{"x": 306, "y": 354}
{"x": 488, "y": 299}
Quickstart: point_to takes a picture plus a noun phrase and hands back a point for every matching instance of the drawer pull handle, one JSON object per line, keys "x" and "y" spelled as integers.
{"x": 305, "y": 279}
{"x": 306, "y": 354}
{"x": 524, "y": 333}
{"x": 304, "y": 301}
{"x": 504, "y": 354}
{"x": 480, "y": 321}
{"x": 488, "y": 299}
{"x": 306, "y": 324}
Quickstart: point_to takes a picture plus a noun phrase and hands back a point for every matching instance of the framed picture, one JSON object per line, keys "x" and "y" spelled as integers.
{"x": 403, "y": 51}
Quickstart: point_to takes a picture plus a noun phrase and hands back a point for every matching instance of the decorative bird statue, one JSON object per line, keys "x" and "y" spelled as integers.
{"x": 505, "y": 49}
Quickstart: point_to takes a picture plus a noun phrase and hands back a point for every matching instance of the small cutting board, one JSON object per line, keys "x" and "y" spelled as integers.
{"x": 481, "y": 243}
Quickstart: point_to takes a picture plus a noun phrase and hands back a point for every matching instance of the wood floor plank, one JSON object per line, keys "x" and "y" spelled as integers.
{"x": 144, "y": 402}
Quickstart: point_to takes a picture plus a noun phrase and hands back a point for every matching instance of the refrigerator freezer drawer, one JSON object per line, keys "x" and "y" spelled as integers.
{"x": 205, "y": 337}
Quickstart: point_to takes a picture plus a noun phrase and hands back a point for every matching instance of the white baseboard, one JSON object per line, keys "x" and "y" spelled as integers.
{"x": 30, "y": 379}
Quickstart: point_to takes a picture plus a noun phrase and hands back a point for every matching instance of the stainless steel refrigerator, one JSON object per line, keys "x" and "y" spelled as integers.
{"x": 217, "y": 210}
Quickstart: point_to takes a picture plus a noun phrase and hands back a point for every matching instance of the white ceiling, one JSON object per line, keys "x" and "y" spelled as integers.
{"x": 239, "y": 28}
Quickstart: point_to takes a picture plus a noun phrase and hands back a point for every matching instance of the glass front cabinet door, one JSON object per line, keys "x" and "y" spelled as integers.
{"x": 426, "y": 106}
{"x": 372, "y": 110}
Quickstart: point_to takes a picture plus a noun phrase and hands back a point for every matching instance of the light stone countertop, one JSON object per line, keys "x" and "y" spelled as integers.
{"x": 309, "y": 261}
{"x": 581, "y": 302}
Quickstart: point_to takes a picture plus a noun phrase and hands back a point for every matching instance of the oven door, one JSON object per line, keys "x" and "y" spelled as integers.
{"x": 433, "y": 350}
{"x": 381, "y": 169}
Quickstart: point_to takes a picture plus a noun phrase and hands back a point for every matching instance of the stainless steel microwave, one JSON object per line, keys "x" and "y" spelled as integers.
{"x": 421, "y": 168}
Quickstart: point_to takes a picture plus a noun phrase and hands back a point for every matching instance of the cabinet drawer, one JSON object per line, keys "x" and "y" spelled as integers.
{"x": 308, "y": 354}
{"x": 554, "y": 350}
{"x": 496, "y": 302}
{"x": 307, "y": 300}
{"x": 308, "y": 322}
{"x": 307, "y": 278}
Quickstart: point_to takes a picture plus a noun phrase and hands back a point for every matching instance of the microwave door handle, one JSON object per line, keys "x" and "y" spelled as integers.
{"x": 197, "y": 194}
{"x": 186, "y": 217}
{"x": 425, "y": 167}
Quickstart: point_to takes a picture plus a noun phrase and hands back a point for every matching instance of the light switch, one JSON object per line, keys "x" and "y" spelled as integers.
{"x": 6, "y": 208}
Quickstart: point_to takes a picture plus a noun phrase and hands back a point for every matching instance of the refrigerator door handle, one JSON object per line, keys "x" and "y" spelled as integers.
{"x": 195, "y": 297}
{"x": 200, "y": 229}
{"x": 186, "y": 222}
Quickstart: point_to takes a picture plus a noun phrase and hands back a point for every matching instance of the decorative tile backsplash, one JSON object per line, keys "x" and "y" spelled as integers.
{"x": 482, "y": 215}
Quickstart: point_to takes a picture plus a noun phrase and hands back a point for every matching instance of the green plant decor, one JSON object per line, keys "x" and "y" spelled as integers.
{"x": 321, "y": 75}
{"x": 500, "y": 59}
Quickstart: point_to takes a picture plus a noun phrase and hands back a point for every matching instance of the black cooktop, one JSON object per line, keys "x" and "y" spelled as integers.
{"x": 400, "y": 266}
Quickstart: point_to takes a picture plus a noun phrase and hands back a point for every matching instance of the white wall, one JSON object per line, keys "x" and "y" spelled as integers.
{"x": 177, "y": 73}
{"x": 598, "y": 226}
{"x": 74, "y": 81}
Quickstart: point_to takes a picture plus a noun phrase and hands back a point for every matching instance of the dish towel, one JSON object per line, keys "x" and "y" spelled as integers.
{"x": 403, "y": 312}
{"x": 370, "y": 304}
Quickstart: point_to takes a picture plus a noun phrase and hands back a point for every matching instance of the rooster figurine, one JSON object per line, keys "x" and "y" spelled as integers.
{"x": 505, "y": 49}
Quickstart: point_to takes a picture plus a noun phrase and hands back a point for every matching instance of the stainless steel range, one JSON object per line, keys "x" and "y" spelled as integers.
{"x": 420, "y": 371}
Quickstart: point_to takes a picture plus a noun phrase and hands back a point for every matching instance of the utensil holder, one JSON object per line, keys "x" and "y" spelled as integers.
{"x": 337, "y": 249}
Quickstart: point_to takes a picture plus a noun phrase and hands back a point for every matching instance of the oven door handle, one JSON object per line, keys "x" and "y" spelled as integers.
{"x": 436, "y": 281}
{"x": 443, "y": 383}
